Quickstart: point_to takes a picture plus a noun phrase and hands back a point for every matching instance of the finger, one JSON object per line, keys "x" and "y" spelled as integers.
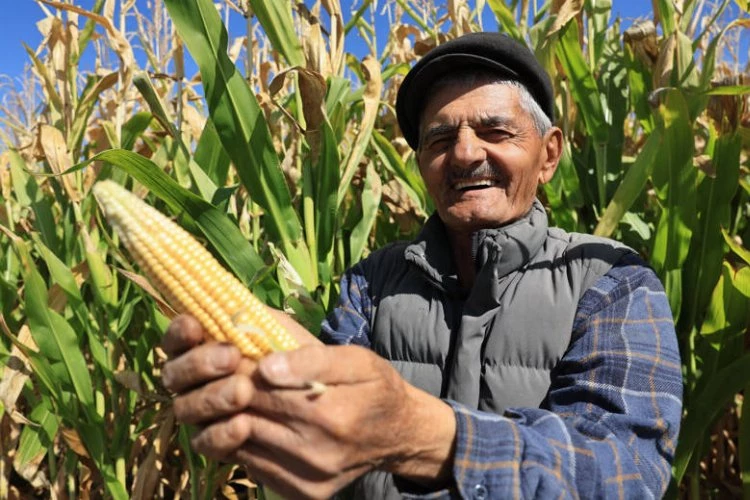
{"x": 199, "y": 365}
{"x": 215, "y": 400}
{"x": 183, "y": 333}
{"x": 263, "y": 466}
{"x": 223, "y": 437}
{"x": 289, "y": 477}
{"x": 329, "y": 365}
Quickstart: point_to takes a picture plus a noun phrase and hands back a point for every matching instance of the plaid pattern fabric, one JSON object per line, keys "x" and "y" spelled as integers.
{"x": 609, "y": 424}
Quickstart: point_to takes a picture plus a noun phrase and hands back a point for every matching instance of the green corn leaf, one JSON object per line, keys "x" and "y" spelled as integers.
{"x": 210, "y": 155}
{"x": 134, "y": 128}
{"x": 585, "y": 91}
{"x": 37, "y": 438}
{"x": 371, "y": 195}
{"x": 583, "y": 85}
{"x": 56, "y": 339}
{"x": 86, "y": 33}
{"x": 357, "y": 16}
{"x": 175, "y": 149}
{"x": 95, "y": 87}
{"x": 639, "y": 85}
{"x": 224, "y": 235}
{"x": 704, "y": 408}
{"x": 96, "y": 445}
{"x": 505, "y": 18}
{"x": 666, "y": 11}
{"x": 143, "y": 83}
{"x": 738, "y": 249}
{"x": 276, "y": 18}
{"x": 59, "y": 272}
{"x": 326, "y": 182}
{"x": 727, "y": 313}
{"x": 631, "y": 186}
{"x": 49, "y": 84}
{"x": 241, "y": 126}
{"x": 714, "y": 203}
{"x": 102, "y": 278}
{"x": 28, "y": 194}
{"x": 674, "y": 182}
{"x": 409, "y": 178}
{"x": 729, "y": 90}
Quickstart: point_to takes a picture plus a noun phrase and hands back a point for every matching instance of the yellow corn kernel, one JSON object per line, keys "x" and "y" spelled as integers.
{"x": 191, "y": 280}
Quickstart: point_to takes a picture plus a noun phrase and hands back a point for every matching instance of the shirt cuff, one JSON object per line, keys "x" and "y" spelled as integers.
{"x": 471, "y": 460}
{"x": 487, "y": 457}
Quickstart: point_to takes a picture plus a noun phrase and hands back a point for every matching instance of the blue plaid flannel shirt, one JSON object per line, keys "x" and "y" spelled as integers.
{"x": 608, "y": 427}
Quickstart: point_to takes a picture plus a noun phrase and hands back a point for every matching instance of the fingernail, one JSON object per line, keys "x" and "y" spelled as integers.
{"x": 275, "y": 368}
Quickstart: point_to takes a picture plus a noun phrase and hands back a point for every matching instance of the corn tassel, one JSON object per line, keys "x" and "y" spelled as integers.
{"x": 189, "y": 277}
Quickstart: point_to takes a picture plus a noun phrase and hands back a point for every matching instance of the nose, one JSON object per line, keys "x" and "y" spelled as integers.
{"x": 467, "y": 151}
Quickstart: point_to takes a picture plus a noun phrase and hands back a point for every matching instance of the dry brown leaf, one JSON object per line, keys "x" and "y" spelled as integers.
{"x": 148, "y": 475}
{"x": 31, "y": 470}
{"x": 17, "y": 369}
{"x": 236, "y": 48}
{"x": 56, "y": 153}
{"x": 57, "y": 296}
{"x": 6, "y": 187}
{"x": 426, "y": 44}
{"x": 130, "y": 380}
{"x": 336, "y": 36}
{"x": 373, "y": 91}
{"x": 193, "y": 121}
{"x": 564, "y": 10}
{"x": 665, "y": 62}
{"x": 73, "y": 439}
{"x": 459, "y": 13}
{"x": 73, "y": 34}
{"x": 643, "y": 40}
{"x": 117, "y": 41}
{"x": 312, "y": 91}
{"x": 403, "y": 209}
{"x": 313, "y": 43}
{"x": 704, "y": 163}
{"x": 142, "y": 282}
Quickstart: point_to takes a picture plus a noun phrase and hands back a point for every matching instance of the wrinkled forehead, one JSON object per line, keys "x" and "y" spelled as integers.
{"x": 487, "y": 96}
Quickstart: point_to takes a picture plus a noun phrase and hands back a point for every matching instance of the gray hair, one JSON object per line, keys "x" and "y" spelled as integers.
{"x": 540, "y": 120}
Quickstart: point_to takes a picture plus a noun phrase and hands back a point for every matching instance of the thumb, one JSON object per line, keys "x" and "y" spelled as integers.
{"x": 317, "y": 363}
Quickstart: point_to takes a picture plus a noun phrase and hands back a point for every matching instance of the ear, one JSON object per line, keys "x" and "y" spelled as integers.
{"x": 552, "y": 149}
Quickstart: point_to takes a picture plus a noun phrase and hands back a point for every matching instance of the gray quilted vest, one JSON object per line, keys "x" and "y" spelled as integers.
{"x": 491, "y": 348}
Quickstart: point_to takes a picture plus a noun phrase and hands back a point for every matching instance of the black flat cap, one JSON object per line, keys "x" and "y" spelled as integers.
{"x": 496, "y": 52}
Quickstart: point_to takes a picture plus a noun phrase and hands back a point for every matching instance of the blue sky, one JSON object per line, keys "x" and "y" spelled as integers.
{"x": 20, "y": 17}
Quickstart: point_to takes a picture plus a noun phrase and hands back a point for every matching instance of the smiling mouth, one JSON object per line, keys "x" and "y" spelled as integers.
{"x": 473, "y": 184}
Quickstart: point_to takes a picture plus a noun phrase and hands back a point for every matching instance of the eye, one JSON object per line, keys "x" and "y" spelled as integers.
{"x": 440, "y": 141}
{"x": 494, "y": 134}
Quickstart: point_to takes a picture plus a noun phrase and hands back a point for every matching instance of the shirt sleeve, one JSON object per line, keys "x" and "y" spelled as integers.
{"x": 349, "y": 323}
{"x": 609, "y": 424}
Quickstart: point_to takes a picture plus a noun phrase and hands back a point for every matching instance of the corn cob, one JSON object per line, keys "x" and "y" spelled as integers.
{"x": 191, "y": 280}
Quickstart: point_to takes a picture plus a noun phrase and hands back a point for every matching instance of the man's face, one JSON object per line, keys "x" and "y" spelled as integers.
{"x": 481, "y": 157}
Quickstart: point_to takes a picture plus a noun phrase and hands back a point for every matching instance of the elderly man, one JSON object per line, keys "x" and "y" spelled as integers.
{"x": 492, "y": 357}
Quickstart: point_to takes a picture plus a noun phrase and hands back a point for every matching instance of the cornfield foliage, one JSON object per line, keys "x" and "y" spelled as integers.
{"x": 283, "y": 154}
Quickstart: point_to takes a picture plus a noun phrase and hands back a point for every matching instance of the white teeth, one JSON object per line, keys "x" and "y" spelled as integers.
{"x": 473, "y": 183}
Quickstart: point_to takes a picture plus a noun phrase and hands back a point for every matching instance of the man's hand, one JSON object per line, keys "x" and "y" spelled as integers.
{"x": 300, "y": 443}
